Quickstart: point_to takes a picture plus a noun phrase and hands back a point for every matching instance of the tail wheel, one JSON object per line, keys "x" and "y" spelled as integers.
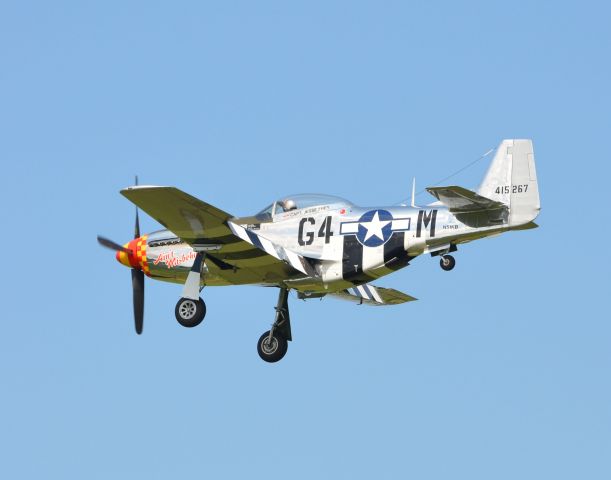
{"x": 271, "y": 349}
{"x": 447, "y": 262}
{"x": 190, "y": 313}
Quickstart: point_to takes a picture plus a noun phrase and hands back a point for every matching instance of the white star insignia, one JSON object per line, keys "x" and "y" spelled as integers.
{"x": 374, "y": 227}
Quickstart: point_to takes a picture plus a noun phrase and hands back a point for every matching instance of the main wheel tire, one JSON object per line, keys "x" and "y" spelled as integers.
{"x": 447, "y": 262}
{"x": 190, "y": 313}
{"x": 274, "y": 350}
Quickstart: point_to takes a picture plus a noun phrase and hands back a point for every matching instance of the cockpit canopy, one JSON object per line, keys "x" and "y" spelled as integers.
{"x": 300, "y": 201}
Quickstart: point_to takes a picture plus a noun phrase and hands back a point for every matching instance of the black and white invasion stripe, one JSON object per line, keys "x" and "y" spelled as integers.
{"x": 293, "y": 259}
{"x": 366, "y": 292}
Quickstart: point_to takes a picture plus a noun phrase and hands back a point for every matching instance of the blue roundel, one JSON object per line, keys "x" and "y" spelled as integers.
{"x": 375, "y": 228}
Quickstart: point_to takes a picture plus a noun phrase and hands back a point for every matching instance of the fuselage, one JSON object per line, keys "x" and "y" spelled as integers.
{"x": 347, "y": 245}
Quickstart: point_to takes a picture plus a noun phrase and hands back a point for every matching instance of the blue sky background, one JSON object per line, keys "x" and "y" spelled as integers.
{"x": 500, "y": 370}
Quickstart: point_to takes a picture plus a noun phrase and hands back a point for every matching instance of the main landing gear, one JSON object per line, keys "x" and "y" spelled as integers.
{"x": 190, "y": 313}
{"x": 273, "y": 344}
{"x": 447, "y": 262}
{"x": 191, "y": 309}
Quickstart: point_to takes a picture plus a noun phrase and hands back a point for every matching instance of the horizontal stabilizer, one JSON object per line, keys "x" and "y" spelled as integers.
{"x": 371, "y": 295}
{"x": 461, "y": 200}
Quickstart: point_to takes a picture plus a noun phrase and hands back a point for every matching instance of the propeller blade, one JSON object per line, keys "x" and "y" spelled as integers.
{"x": 138, "y": 288}
{"x": 105, "y": 242}
{"x": 137, "y": 226}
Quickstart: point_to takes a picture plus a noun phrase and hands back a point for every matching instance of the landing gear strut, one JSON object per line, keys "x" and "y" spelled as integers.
{"x": 191, "y": 309}
{"x": 447, "y": 262}
{"x": 273, "y": 344}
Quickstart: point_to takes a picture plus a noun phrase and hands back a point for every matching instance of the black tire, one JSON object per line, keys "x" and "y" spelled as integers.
{"x": 190, "y": 313}
{"x": 274, "y": 352}
{"x": 447, "y": 262}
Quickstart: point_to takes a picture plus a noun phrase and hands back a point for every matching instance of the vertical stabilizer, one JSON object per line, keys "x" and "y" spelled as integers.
{"x": 512, "y": 180}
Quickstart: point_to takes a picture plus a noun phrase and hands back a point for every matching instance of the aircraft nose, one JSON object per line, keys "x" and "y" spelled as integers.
{"x": 136, "y": 255}
{"x": 124, "y": 257}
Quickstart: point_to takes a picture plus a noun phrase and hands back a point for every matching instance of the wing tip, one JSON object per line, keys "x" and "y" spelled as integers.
{"x": 142, "y": 187}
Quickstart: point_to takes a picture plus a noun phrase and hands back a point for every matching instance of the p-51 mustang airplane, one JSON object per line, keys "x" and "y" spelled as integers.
{"x": 318, "y": 245}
